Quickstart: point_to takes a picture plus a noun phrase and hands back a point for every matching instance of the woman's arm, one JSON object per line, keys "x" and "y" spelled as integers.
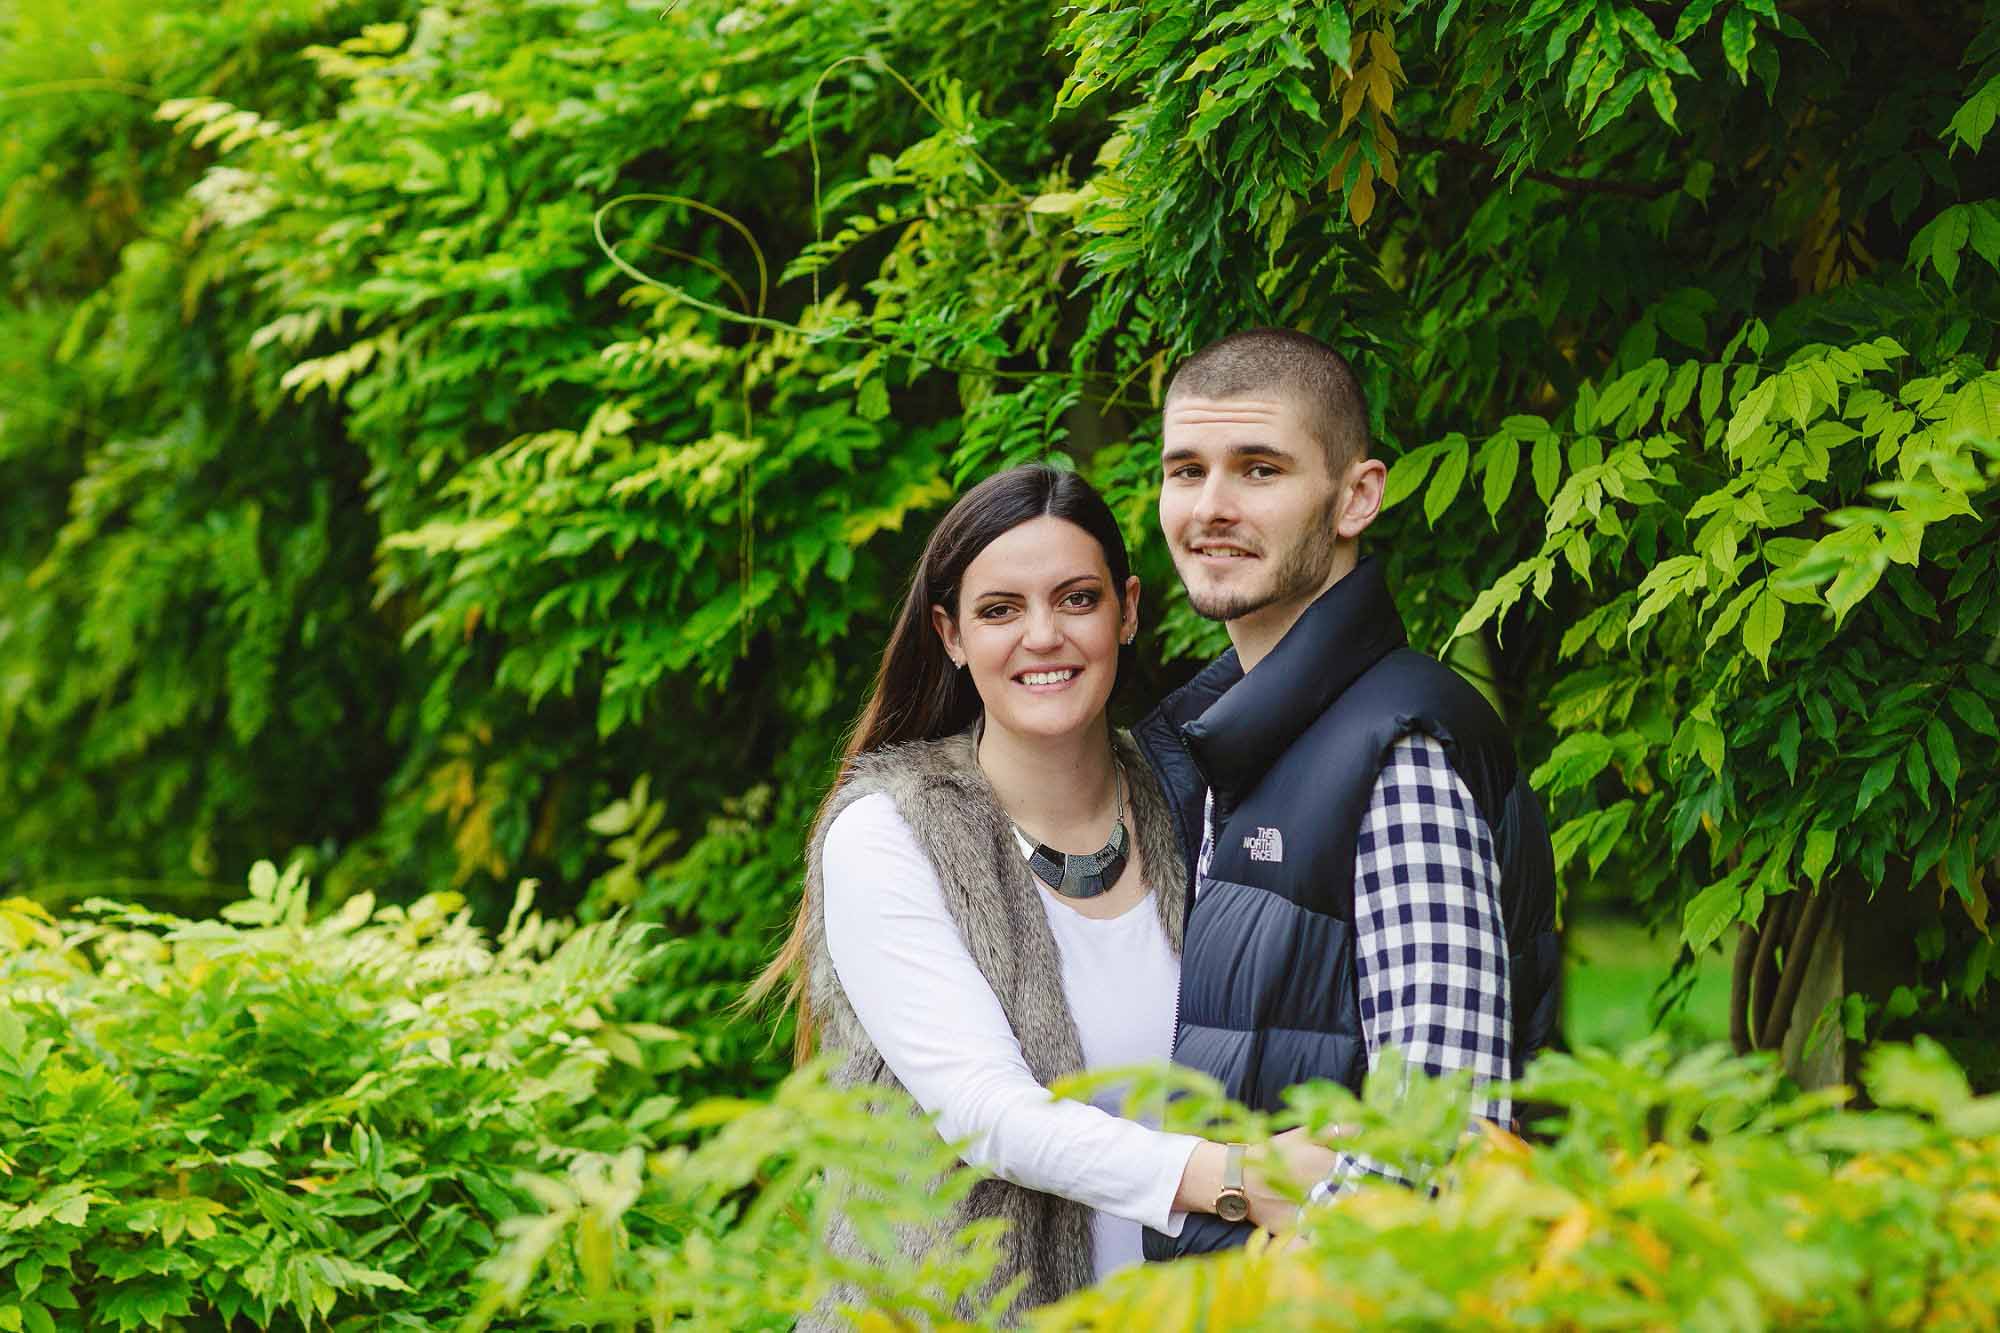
{"x": 926, "y": 1006}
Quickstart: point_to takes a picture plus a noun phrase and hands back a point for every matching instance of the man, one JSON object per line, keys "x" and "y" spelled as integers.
{"x": 1370, "y": 866}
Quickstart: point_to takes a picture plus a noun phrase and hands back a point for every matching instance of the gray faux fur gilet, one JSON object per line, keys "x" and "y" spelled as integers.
{"x": 946, "y": 800}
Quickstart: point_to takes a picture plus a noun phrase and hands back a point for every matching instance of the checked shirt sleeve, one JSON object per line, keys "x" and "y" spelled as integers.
{"x": 1430, "y": 942}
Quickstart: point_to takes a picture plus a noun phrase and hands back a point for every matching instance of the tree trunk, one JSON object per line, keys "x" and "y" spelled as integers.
{"x": 1815, "y": 1053}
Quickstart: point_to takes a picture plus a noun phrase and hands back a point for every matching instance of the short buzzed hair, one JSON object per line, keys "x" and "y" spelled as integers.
{"x": 1295, "y": 366}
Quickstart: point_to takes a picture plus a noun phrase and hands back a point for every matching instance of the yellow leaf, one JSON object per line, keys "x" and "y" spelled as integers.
{"x": 1567, "y": 1236}
{"x": 1380, "y": 91}
{"x": 1350, "y": 100}
{"x": 1361, "y": 199}
{"x": 1385, "y": 53}
{"x": 1502, "y": 1143}
{"x": 1340, "y": 167}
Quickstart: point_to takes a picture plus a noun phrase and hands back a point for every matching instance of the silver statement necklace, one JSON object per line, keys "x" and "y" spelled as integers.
{"x": 1086, "y": 875}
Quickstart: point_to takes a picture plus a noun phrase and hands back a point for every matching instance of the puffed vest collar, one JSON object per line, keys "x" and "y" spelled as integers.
{"x": 945, "y": 798}
{"x": 1347, "y": 629}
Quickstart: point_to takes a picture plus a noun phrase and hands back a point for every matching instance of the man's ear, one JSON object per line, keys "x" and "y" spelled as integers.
{"x": 1360, "y": 497}
{"x": 947, "y": 630}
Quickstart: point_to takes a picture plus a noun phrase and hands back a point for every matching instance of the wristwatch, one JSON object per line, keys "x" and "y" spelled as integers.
{"x": 1232, "y": 1204}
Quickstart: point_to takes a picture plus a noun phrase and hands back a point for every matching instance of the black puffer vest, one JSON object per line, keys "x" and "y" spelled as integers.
{"x": 1292, "y": 751}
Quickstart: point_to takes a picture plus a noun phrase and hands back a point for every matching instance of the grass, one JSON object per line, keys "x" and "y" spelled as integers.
{"x": 1612, "y": 971}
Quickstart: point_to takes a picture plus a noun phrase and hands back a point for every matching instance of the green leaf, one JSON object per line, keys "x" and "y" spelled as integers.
{"x": 1975, "y": 412}
{"x": 1750, "y": 413}
{"x": 1948, "y": 236}
{"x": 1788, "y": 745}
{"x": 1738, "y": 36}
{"x": 1875, "y": 781}
{"x": 1711, "y": 391}
{"x": 1450, "y": 475}
{"x": 1711, "y": 912}
{"x": 1971, "y": 122}
{"x": 1546, "y": 463}
{"x": 1606, "y": 830}
{"x": 1500, "y": 462}
{"x": 1692, "y": 18}
{"x": 1408, "y": 472}
{"x": 1972, "y": 710}
{"x": 1919, "y": 772}
{"x": 1661, "y": 90}
{"x": 1336, "y": 34}
{"x": 1922, "y": 1076}
{"x": 1762, "y": 625}
{"x": 1708, "y": 743}
{"x": 1818, "y": 853}
{"x": 1857, "y": 578}
{"x": 1944, "y": 754}
{"x": 1680, "y": 391}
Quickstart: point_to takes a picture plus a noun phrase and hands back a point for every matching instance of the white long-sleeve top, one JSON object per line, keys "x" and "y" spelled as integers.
{"x": 924, "y": 1003}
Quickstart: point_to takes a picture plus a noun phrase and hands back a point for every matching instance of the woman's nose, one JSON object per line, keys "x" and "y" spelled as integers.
{"x": 1043, "y": 632}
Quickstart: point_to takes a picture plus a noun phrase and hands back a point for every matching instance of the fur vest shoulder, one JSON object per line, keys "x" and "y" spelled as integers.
{"x": 944, "y": 797}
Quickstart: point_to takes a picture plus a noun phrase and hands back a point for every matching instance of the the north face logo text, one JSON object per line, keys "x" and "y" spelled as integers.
{"x": 1267, "y": 844}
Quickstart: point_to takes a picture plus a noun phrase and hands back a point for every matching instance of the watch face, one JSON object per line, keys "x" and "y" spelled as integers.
{"x": 1232, "y": 1206}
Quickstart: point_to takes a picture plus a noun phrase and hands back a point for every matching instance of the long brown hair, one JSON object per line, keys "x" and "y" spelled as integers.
{"x": 919, "y": 694}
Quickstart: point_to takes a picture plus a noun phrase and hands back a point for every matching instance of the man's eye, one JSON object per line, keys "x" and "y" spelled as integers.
{"x": 1259, "y": 471}
{"x": 1185, "y": 472}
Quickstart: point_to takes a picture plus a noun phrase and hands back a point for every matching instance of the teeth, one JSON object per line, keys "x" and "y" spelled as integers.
{"x": 1224, "y": 550}
{"x": 1046, "y": 677}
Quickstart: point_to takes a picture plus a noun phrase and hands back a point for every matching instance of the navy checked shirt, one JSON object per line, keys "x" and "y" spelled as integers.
{"x": 1429, "y": 944}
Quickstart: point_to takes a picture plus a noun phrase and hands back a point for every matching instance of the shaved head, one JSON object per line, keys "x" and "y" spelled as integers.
{"x": 1311, "y": 377}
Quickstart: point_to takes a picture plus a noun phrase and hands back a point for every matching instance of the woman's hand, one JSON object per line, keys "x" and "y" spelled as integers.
{"x": 1291, "y": 1158}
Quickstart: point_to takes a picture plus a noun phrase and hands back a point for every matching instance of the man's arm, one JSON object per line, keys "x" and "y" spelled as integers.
{"x": 1430, "y": 943}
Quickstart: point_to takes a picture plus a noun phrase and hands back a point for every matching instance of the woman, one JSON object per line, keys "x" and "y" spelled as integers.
{"x": 994, "y": 891}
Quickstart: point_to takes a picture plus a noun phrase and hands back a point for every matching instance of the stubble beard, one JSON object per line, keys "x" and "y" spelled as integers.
{"x": 1301, "y": 572}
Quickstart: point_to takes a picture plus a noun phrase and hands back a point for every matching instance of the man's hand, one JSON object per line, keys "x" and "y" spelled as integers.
{"x": 1290, "y": 1158}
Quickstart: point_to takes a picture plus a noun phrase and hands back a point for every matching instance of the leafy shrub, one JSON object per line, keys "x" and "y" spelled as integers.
{"x": 286, "y": 1121}
{"x": 1682, "y": 1194}
{"x": 382, "y": 1119}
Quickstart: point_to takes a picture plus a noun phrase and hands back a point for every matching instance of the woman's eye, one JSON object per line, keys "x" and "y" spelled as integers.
{"x": 994, "y": 612}
{"x": 1083, "y": 600}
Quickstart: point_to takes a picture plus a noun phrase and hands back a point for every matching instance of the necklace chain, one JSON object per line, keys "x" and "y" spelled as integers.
{"x": 1089, "y": 874}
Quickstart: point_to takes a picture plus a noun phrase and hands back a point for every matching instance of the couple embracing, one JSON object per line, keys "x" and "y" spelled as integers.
{"x": 1321, "y": 846}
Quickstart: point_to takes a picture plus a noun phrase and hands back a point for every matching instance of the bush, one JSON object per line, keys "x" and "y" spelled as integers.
{"x": 1680, "y": 1194}
{"x": 289, "y": 1122}
{"x": 383, "y": 1119}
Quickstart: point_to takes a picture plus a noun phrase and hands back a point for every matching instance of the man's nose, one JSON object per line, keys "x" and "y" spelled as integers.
{"x": 1215, "y": 505}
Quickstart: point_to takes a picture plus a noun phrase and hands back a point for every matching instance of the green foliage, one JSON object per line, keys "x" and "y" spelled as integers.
{"x": 294, "y": 1122}
{"x": 1668, "y": 1194}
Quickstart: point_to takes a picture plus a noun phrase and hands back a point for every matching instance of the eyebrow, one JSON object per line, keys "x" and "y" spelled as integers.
{"x": 1072, "y": 581}
{"x": 1246, "y": 450}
